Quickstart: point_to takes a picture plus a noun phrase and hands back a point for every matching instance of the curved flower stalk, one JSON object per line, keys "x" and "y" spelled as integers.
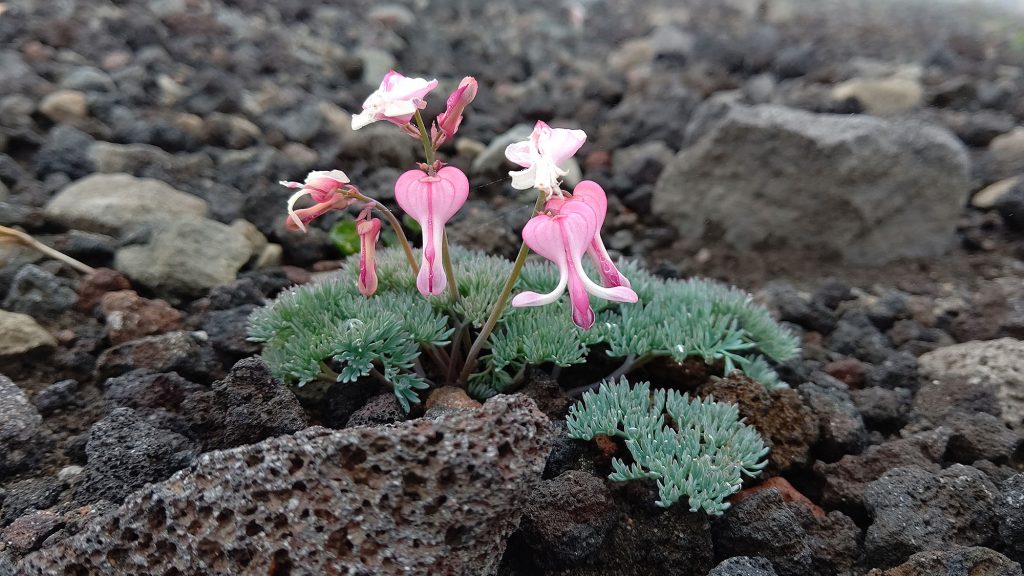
{"x": 562, "y": 234}
{"x": 542, "y": 157}
{"x": 396, "y": 100}
{"x": 447, "y": 123}
{"x": 432, "y": 200}
{"x": 369, "y": 232}
{"x": 324, "y": 186}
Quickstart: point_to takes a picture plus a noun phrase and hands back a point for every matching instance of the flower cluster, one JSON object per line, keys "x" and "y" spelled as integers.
{"x": 567, "y": 227}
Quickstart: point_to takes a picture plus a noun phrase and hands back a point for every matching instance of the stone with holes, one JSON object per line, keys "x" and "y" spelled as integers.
{"x": 420, "y": 497}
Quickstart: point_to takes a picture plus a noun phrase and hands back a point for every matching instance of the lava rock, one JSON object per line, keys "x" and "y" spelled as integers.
{"x": 118, "y": 203}
{"x": 21, "y": 429}
{"x": 787, "y": 426}
{"x": 65, "y": 151}
{"x": 28, "y": 532}
{"x": 567, "y": 520}
{"x": 144, "y": 390}
{"x": 380, "y": 410}
{"x": 57, "y": 396}
{"x": 1009, "y": 510}
{"x": 744, "y": 566}
{"x": 968, "y": 561}
{"x": 187, "y": 353}
{"x": 882, "y": 409}
{"x": 228, "y": 331}
{"x": 39, "y": 293}
{"x": 899, "y": 370}
{"x": 855, "y": 335}
{"x": 991, "y": 365}
{"x": 96, "y": 284}
{"x": 406, "y": 495}
{"x": 130, "y": 317}
{"x": 859, "y": 171}
{"x": 20, "y": 335}
{"x": 793, "y": 307}
{"x": 247, "y": 406}
{"x": 980, "y": 436}
{"x": 841, "y": 428}
{"x": 914, "y": 509}
{"x": 846, "y": 480}
{"x": 33, "y": 493}
{"x": 125, "y": 453}
{"x": 762, "y": 524}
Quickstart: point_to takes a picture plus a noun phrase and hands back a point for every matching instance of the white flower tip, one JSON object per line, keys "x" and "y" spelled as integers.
{"x": 361, "y": 120}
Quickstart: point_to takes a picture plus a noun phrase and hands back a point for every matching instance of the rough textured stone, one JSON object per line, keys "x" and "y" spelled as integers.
{"x": 57, "y": 396}
{"x": 968, "y": 561}
{"x": 744, "y": 566}
{"x": 130, "y": 316}
{"x": 116, "y": 203}
{"x": 20, "y": 428}
{"x": 19, "y": 334}
{"x": 881, "y": 408}
{"x": 381, "y": 409}
{"x": 29, "y": 531}
{"x": 1009, "y": 510}
{"x": 353, "y": 501}
{"x": 841, "y": 428}
{"x": 38, "y": 493}
{"x": 887, "y": 190}
{"x": 994, "y": 364}
{"x": 144, "y": 389}
{"x": 763, "y": 525}
{"x": 914, "y": 509}
{"x": 247, "y": 406}
{"x": 846, "y": 480}
{"x": 38, "y": 293}
{"x": 186, "y": 257}
{"x": 980, "y": 436}
{"x": 567, "y": 520}
{"x": 125, "y": 453}
{"x": 95, "y": 285}
{"x": 184, "y": 352}
{"x": 788, "y": 427}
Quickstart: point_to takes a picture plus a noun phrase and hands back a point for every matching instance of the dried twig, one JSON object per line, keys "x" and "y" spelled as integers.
{"x": 31, "y": 242}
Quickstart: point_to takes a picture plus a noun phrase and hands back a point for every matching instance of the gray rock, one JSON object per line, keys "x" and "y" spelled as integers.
{"x": 38, "y": 493}
{"x": 887, "y": 190}
{"x": 353, "y": 501}
{"x": 19, "y": 334}
{"x": 21, "y": 429}
{"x": 881, "y": 408}
{"x": 28, "y": 532}
{"x": 379, "y": 410}
{"x": 39, "y": 293}
{"x": 144, "y": 160}
{"x": 567, "y": 520}
{"x": 186, "y": 257}
{"x": 744, "y": 566}
{"x": 840, "y": 424}
{"x": 914, "y": 509}
{"x": 65, "y": 151}
{"x": 143, "y": 390}
{"x": 88, "y": 79}
{"x": 899, "y": 370}
{"x": 1010, "y": 512}
{"x": 882, "y": 96}
{"x": 992, "y": 365}
{"x": 763, "y": 525}
{"x": 57, "y": 396}
{"x": 492, "y": 159}
{"x": 968, "y": 561}
{"x": 125, "y": 453}
{"x": 187, "y": 353}
{"x": 980, "y": 436}
{"x": 117, "y": 203}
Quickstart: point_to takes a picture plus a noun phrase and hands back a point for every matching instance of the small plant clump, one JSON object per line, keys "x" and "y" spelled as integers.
{"x": 701, "y": 451}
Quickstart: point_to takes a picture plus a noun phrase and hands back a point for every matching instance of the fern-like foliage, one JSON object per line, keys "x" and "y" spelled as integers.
{"x": 322, "y": 329}
{"x": 701, "y": 452}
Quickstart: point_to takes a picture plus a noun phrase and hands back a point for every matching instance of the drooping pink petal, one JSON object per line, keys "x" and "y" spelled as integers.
{"x": 369, "y": 232}
{"x": 323, "y": 186}
{"x": 432, "y": 201}
{"x": 396, "y": 100}
{"x": 297, "y": 219}
{"x": 593, "y": 195}
{"x": 449, "y": 120}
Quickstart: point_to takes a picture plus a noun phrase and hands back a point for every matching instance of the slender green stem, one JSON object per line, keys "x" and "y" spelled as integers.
{"x": 395, "y": 225}
{"x": 499, "y": 305}
{"x": 629, "y": 364}
{"x": 428, "y": 149}
{"x": 46, "y": 250}
{"x": 449, "y": 271}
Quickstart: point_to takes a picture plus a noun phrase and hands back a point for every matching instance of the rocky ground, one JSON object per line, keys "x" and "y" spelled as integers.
{"x": 858, "y": 165}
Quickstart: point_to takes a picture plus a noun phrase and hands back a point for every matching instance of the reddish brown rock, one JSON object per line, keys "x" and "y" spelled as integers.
{"x": 28, "y": 532}
{"x": 130, "y": 316}
{"x": 448, "y": 400}
{"x": 95, "y": 285}
{"x": 786, "y": 490}
{"x": 849, "y": 371}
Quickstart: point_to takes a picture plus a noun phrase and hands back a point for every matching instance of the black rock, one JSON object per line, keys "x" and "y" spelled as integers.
{"x": 763, "y": 525}
{"x": 1009, "y": 509}
{"x": 855, "y": 335}
{"x": 885, "y": 311}
{"x": 144, "y": 390}
{"x": 39, "y": 493}
{"x": 247, "y": 406}
{"x": 187, "y": 353}
{"x": 379, "y": 410}
{"x": 792, "y": 307}
{"x": 125, "y": 453}
{"x": 882, "y": 409}
{"x": 58, "y": 396}
{"x": 36, "y": 292}
{"x": 899, "y": 370}
{"x": 565, "y": 451}
{"x": 227, "y": 330}
{"x": 980, "y": 436}
{"x": 65, "y": 150}
{"x": 1011, "y": 207}
{"x": 840, "y": 424}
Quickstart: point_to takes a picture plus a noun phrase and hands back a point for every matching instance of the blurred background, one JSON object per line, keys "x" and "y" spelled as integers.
{"x": 876, "y": 140}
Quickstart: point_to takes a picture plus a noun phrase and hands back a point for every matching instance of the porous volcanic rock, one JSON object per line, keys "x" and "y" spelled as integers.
{"x": 969, "y": 561}
{"x": 20, "y": 428}
{"x": 887, "y": 190}
{"x": 990, "y": 364}
{"x": 426, "y": 496}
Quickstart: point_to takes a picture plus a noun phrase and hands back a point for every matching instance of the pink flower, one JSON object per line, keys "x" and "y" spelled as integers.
{"x": 369, "y": 232}
{"x": 397, "y": 99}
{"x": 324, "y": 187}
{"x": 449, "y": 120}
{"x": 591, "y": 194}
{"x": 432, "y": 201}
{"x": 542, "y": 156}
{"x": 562, "y": 234}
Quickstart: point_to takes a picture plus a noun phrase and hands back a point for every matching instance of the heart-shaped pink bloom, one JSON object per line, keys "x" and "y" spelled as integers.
{"x": 369, "y": 232}
{"x": 396, "y": 100}
{"x": 323, "y": 186}
{"x": 542, "y": 157}
{"x": 591, "y": 194}
{"x": 562, "y": 234}
{"x": 449, "y": 120}
{"x": 432, "y": 201}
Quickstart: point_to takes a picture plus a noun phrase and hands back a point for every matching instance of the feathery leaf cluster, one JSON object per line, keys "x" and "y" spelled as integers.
{"x": 701, "y": 451}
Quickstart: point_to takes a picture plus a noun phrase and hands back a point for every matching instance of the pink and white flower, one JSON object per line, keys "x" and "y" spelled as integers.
{"x": 449, "y": 120}
{"x": 369, "y": 232}
{"x": 562, "y": 233}
{"x": 591, "y": 193}
{"x": 324, "y": 186}
{"x": 542, "y": 157}
{"x": 432, "y": 201}
{"x": 397, "y": 99}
